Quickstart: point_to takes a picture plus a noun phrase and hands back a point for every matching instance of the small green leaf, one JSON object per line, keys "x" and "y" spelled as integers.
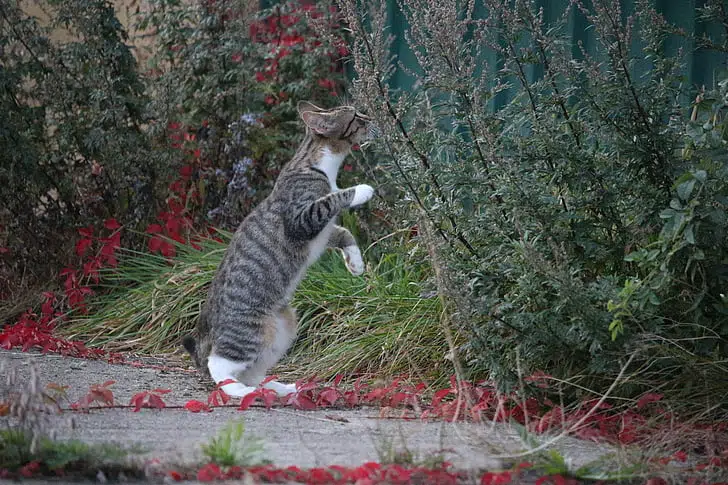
{"x": 689, "y": 235}
{"x": 685, "y": 189}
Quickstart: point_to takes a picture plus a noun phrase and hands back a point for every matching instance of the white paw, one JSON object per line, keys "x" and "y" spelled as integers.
{"x": 235, "y": 389}
{"x": 362, "y": 193}
{"x": 352, "y": 258}
{"x": 280, "y": 388}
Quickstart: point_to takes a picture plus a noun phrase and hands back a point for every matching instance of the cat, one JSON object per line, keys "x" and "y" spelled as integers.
{"x": 247, "y": 323}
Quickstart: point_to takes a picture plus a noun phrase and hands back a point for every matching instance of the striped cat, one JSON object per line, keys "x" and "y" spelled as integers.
{"x": 247, "y": 324}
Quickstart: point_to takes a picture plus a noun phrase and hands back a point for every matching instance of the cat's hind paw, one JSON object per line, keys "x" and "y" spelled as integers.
{"x": 236, "y": 389}
{"x": 280, "y": 388}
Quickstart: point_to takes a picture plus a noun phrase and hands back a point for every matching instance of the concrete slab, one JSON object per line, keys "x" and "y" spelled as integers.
{"x": 289, "y": 437}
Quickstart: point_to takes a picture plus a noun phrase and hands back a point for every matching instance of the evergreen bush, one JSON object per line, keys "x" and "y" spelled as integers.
{"x": 583, "y": 222}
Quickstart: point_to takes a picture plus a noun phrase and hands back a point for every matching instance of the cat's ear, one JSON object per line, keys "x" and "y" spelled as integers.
{"x": 325, "y": 124}
{"x": 304, "y": 106}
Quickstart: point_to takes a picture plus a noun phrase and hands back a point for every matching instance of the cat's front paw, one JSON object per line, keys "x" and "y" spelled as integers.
{"x": 353, "y": 260}
{"x": 362, "y": 193}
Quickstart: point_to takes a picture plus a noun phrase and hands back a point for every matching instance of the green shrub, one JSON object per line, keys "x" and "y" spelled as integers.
{"x": 71, "y": 148}
{"x": 582, "y": 222}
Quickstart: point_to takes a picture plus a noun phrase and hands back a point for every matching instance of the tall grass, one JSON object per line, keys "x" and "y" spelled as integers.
{"x": 379, "y": 324}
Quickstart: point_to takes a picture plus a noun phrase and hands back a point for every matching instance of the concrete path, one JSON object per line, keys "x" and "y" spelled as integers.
{"x": 289, "y": 437}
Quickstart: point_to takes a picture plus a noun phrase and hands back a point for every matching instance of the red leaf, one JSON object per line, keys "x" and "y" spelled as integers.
{"x": 30, "y": 469}
{"x": 176, "y": 476}
{"x": 337, "y": 379}
{"x": 439, "y": 395}
{"x": 656, "y": 481}
{"x": 267, "y": 380}
{"x": 154, "y": 244}
{"x": 209, "y": 473}
{"x": 112, "y": 224}
{"x": 154, "y": 229}
{"x": 225, "y": 383}
{"x": 248, "y": 400}
{"x": 186, "y": 170}
{"x": 648, "y": 398}
{"x": 155, "y": 401}
{"x": 680, "y": 456}
{"x": 308, "y": 385}
{"x": 501, "y": 478}
{"x": 87, "y": 231}
{"x": 300, "y": 401}
{"x": 218, "y": 397}
{"x": 162, "y": 391}
{"x": 330, "y": 395}
{"x": 352, "y": 398}
{"x": 376, "y": 394}
{"x": 83, "y": 245}
{"x": 269, "y": 397}
{"x": 197, "y": 406}
{"x": 137, "y": 400}
{"x": 397, "y": 399}
{"x": 167, "y": 249}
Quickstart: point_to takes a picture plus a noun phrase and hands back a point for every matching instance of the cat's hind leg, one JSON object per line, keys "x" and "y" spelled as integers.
{"x": 280, "y": 334}
{"x": 222, "y": 369}
{"x": 342, "y": 239}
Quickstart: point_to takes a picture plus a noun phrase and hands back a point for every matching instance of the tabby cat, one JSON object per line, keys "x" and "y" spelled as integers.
{"x": 247, "y": 324}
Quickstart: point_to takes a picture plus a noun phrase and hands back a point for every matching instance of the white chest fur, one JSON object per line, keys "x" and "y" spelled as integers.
{"x": 329, "y": 164}
{"x": 315, "y": 249}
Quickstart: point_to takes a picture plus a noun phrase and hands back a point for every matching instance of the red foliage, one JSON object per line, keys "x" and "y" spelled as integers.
{"x": 197, "y": 406}
{"x": 556, "y": 480}
{"x": 367, "y": 473}
{"x": 149, "y": 399}
{"x": 495, "y": 478}
{"x": 218, "y": 397}
{"x": 32, "y": 332}
{"x": 99, "y": 393}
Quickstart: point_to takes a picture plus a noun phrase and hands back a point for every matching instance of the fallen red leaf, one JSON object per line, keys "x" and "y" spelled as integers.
{"x": 197, "y": 406}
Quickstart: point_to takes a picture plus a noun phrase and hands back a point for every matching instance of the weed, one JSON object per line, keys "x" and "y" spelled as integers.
{"x": 31, "y": 416}
{"x": 393, "y": 449}
{"x": 232, "y": 448}
{"x": 23, "y": 455}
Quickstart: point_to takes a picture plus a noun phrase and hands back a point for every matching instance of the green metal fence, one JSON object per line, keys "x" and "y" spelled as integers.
{"x": 701, "y": 65}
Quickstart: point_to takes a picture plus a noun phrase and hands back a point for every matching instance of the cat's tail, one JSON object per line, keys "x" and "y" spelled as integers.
{"x": 190, "y": 346}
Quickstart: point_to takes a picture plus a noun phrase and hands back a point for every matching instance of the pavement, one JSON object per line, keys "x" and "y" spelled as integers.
{"x": 347, "y": 437}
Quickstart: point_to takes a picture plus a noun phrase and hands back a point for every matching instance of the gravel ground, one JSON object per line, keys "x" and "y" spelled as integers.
{"x": 288, "y": 436}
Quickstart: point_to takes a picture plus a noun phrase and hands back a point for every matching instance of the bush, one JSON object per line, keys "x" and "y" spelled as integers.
{"x": 584, "y": 221}
{"x": 71, "y": 144}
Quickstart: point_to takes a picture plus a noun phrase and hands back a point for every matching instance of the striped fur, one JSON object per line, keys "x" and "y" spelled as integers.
{"x": 247, "y": 323}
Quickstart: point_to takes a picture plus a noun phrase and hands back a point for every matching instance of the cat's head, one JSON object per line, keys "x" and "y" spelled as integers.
{"x": 342, "y": 125}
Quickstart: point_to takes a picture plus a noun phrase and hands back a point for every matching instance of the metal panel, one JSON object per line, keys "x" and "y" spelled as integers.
{"x": 701, "y": 66}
